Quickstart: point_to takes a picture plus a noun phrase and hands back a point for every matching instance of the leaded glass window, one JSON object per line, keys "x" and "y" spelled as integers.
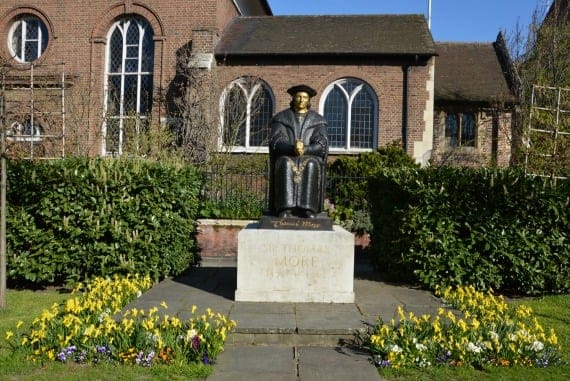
{"x": 460, "y": 130}
{"x": 350, "y": 107}
{"x": 247, "y": 107}
{"x": 128, "y": 103}
{"x": 28, "y": 39}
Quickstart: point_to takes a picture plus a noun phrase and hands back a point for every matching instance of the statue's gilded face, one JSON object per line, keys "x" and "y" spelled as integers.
{"x": 301, "y": 101}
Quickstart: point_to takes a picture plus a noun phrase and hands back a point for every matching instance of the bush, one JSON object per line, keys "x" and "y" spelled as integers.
{"x": 236, "y": 204}
{"x": 233, "y": 194}
{"x": 77, "y": 218}
{"x": 348, "y": 186}
{"x": 348, "y": 175}
{"x": 494, "y": 229}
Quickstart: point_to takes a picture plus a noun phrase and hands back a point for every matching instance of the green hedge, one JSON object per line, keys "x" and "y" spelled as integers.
{"x": 77, "y": 218}
{"x": 348, "y": 202}
{"x": 494, "y": 229}
{"x": 349, "y": 174}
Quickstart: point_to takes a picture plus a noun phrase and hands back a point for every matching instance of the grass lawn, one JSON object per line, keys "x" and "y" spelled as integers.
{"x": 27, "y": 305}
{"x": 551, "y": 311}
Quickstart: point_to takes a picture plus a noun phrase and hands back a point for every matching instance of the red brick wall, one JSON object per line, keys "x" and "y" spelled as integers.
{"x": 78, "y": 31}
{"x": 218, "y": 238}
{"x": 226, "y": 11}
{"x": 385, "y": 78}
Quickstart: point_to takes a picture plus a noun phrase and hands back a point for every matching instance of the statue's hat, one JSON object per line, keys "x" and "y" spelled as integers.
{"x": 302, "y": 88}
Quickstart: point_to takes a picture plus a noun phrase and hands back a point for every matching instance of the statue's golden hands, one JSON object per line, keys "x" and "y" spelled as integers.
{"x": 299, "y": 148}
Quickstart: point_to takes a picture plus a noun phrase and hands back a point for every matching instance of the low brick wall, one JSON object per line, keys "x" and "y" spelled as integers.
{"x": 217, "y": 239}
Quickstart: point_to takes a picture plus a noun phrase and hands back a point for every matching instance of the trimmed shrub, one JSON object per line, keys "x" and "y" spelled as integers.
{"x": 236, "y": 204}
{"x": 348, "y": 174}
{"x": 78, "y": 218}
{"x": 494, "y": 229}
{"x": 348, "y": 202}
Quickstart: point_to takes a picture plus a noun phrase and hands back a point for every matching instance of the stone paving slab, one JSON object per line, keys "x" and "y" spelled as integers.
{"x": 327, "y": 318}
{"x": 255, "y": 363}
{"x": 324, "y": 364}
{"x": 264, "y": 317}
{"x": 275, "y": 363}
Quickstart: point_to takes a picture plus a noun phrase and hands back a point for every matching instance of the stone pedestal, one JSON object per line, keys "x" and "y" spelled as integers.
{"x": 275, "y": 265}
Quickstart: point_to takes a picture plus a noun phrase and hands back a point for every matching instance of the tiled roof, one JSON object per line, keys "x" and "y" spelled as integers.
{"x": 327, "y": 35}
{"x": 470, "y": 72}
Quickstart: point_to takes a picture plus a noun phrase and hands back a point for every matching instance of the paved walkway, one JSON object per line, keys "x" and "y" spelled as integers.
{"x": 289, "y": 341}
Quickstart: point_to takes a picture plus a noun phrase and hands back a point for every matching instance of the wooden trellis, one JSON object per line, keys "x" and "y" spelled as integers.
{"x": 32, "y": 115}
{"x": 548, "y": 135}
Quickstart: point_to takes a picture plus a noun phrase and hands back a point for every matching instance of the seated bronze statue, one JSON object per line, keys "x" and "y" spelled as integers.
{"x": 298, "y": 150}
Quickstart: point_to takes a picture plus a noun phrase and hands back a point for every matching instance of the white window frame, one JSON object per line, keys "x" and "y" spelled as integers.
{"x": 17, "y": 132}
{"x": 123, "y": 25}
{"x": 347, "y": 149}
{"x": 249, "y": 95}
{"x": 22, "y": 22}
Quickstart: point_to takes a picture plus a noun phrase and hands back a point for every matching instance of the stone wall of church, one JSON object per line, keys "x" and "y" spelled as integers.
{"x": 493, "y": 139}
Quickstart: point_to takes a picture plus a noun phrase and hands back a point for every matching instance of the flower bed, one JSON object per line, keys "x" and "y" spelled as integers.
{"x": 84, "y": 329}
{"x": 485, "y": 332}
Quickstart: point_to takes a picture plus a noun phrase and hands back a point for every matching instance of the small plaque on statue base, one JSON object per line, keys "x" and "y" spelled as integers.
{"x": 283, "y": 265}
{"x": 321, "y": 222}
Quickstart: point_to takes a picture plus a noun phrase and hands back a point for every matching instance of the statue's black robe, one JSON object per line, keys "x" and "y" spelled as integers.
{"x": 297, "y": 182}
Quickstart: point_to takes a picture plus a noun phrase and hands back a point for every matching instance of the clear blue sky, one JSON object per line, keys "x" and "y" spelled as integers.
{"x": 452, "y": 20}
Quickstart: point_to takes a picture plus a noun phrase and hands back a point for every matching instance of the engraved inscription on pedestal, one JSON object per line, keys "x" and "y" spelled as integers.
{"x": 295, "y": 266}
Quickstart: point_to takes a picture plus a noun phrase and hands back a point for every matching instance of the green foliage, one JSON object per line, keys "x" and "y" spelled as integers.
{"x": 348, "y": 174}
{"x": 235, "y": 204}
{"x": 541, "y": 59}
{"x": 494, "y": 229}
{"x": 548, "y": 151}
{"x": 237, "y": 193}
{"x": 244, "y": 163}
{"x": 356, "y": 221}
{"x": 76, "y": 218}
{"x": 348, "y": 189}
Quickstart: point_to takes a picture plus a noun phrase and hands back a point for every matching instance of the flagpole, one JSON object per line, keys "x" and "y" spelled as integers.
{"x": 429, "y": 15}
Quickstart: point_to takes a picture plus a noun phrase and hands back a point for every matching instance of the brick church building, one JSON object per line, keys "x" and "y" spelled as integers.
{"x": 84, "y": 77}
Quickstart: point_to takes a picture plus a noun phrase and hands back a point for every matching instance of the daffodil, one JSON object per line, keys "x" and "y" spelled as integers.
{"x": 148, "y": 324}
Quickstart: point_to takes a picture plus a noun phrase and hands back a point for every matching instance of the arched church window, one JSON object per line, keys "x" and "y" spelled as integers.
{"x": 247, "y": 107}
{"x": 351, "y": 109}
{"x": 129, "y": 82}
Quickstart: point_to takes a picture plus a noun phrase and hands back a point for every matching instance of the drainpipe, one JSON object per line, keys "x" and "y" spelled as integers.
{"x": 405, "y": 105}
